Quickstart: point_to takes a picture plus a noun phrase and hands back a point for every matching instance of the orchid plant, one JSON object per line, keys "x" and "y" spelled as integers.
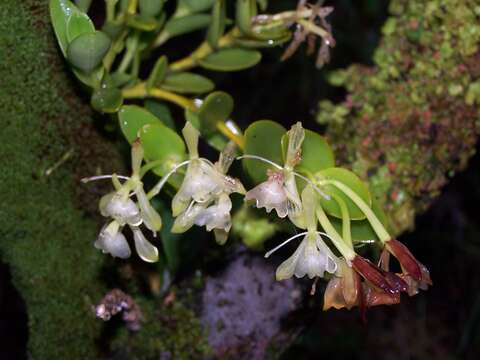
{"x": 293, "y": 172}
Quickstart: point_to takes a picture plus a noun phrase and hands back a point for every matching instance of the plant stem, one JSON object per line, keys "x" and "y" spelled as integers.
{"x": 377, "y": 226}
{"x": 236, "y": 138}
{"x": 140, "y": 91}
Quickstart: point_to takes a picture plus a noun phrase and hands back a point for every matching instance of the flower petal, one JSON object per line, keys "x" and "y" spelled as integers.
{"x": 150, "y": 216}
{"x": 270, "y": 195}
{"x": 111, "y": 241}
{"x": 287, "y": 268}
{"x": 145, "y": 250}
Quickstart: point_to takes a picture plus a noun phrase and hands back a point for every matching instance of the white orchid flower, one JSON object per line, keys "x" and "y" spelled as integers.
{"x": 111, "y": 241}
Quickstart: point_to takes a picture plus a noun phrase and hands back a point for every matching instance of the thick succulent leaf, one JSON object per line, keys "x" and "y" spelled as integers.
{"x": 60, "y": 11}
{"x": 86, "y": 51}
{"x": 185, "y": 7}
{"x": 107, "y": 99}
{"x": 78, "y": 24}
{"x": 353, "y": 182}
{"x": 132, "y": 118}
{"x": 186, "y": 24}
{"x": 216, "y": 108}
{"x": 83, "y": 5}
{"x": 161, "y": 110}
{"x": 92, "y": 79}
{"x": 162, "y": 144}
{"x": 231, "y": 59}
{"x": 263, "y": 138}
{"x": 217, "y": 26}
{"x": 245, "y": 10}
{"x": 150, "y": 7}
{"x": 188, "y": 83}
{"x": 263, "y": 43}
{"x": 158, "y": 73}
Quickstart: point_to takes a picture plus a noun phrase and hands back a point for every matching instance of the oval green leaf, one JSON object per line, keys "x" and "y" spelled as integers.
{"x": 188, "y": 83}
{"x": 107, "y": 99}
{"x": 316, "y": 153}
{"x": 60, "y": 11}
{"x": 198, "y": 5}
{"x": 78, "y": 24}
{"x": 217, "y": 26}
{"x": 132, "y": 118}
{"x": 232, "y": 59}
{"x": 186, "y": 24}
{"x": 86, "y": 51}
{"x": 244, "y": 12}
{"x": 158, "y": 73}
{"x": 263, "y": 138}
{"x": 216, "y": 108}
{"x": 150, "y": 7}
{"x": 259, "y": 43}
{"x": 349, "y": 179}
{"x": 162, "y": 144}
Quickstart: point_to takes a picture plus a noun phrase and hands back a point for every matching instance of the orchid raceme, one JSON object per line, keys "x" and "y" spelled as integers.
{"x": 119, "y": 206}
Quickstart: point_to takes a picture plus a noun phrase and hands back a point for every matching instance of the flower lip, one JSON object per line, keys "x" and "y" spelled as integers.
{"x": 270, "y": 194}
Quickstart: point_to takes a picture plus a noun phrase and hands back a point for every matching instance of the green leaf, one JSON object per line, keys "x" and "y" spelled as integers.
{"x": 162, "y": 144}
{"x": 232, "y": 59}
{"x": 107, "y": 99}
{"x": 132, "y": 118}
{"x": 120, "y": 78}
{"x": 158, "y": 73}
{"x": 60, "y": 11}
{"x": 245, "y": 11}
{"x": 353, "y": 182}
{"x": 150, "y": 7}
{"x": 92, "y": 79}
{"x": 186, "y": 24}
{"x": 142, "y": 22}
{"x": 83, "y": 5}
{"x": 259, "y": 43}
{"x": 217, "y": 26}
{"x": 188, "y": 83}
{"x": 161, "y": 110}
{"x": 263, "y": 138}
{"x": 87, "y": 51}
{"x": 192, "y": 6}
{"x": 214, "y": 139}
{"x": 78, "y": 24}
{"x": 216, "y": 108}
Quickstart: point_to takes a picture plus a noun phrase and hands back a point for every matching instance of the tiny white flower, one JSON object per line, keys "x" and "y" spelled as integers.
{"x": 312, "y": 258}
{"x": 216, "y": 216}
{"x": 111, "y": 241}
{"x": 271, "y": 194}
{"x": 121, "y": 208}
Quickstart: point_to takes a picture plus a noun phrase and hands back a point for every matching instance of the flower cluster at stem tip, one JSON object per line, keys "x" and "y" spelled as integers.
{"x": 203, "y": 199}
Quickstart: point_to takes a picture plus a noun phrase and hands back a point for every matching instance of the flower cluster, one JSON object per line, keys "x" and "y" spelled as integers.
{"x": 204, "y": 196}
{"x": 203, "y": 199}
{"x": 122, "y": 210}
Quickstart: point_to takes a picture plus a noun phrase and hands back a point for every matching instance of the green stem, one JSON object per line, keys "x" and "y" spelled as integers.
{"x": 346, "y": 229}
{"x": 376, "y": 224}
{"x": 337, "y": 240}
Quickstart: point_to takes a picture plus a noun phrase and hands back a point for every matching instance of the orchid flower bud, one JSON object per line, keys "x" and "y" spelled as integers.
{"x": 111, "y": 241}
{"x": 296, "y": 135}
{"x": 120, "y": 207}
{"x": 145, "y": 250}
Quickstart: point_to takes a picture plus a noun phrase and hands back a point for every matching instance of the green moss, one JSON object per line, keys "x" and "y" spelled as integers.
{"x": 170, "y": 330}
{"x": 46, "y": 241}
{"x": 412, "y": 114}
